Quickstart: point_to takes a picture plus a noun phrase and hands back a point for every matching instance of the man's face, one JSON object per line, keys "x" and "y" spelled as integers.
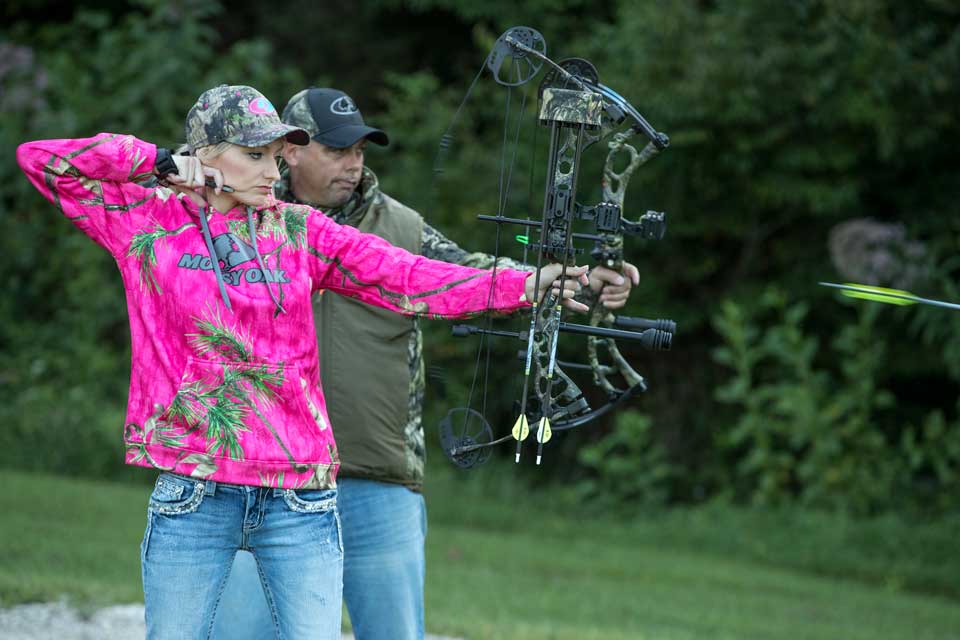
{"x": 326, "y": 176}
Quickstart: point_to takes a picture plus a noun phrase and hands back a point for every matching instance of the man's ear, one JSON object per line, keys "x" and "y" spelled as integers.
{"x": 291, "y": 154}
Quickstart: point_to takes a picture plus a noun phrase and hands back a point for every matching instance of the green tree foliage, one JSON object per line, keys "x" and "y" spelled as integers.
{"x": 785, "y": 120}
{"x": 63, "y": 335}
{"x": 815, "y": 427}
{"x": 795, "y": 435}
{"x": 630, "y": 465}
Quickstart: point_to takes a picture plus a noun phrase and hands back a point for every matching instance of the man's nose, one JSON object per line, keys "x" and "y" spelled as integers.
{"x": 355, "y": 160}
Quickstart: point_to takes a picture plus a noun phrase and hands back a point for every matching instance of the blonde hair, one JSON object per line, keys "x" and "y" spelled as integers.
{"x": 211, "y": 151}
{"x": 208, "y": 152}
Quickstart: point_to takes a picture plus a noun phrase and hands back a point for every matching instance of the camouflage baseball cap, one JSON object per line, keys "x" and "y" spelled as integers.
{"x": 237, "y": 114}
{"x": 331, "y": 118}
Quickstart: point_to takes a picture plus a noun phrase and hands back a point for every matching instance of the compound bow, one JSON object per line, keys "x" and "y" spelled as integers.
{"x": 579, "y": 111}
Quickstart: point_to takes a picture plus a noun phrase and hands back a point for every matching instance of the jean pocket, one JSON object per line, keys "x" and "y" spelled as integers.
{"x": 174, "y": 495}
{"x": 310, "y": 501}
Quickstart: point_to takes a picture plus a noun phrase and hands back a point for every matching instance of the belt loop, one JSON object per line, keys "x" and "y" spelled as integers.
{"x": 278, "y": 493}
{"x": 209, "y": 487}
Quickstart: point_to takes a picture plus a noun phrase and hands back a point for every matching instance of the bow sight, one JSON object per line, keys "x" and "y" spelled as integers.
{"x": 579, "y": 112}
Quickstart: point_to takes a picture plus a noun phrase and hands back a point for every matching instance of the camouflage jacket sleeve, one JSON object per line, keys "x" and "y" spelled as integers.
{"x": 368, "y": 268}
{"x": 437, "y": 246}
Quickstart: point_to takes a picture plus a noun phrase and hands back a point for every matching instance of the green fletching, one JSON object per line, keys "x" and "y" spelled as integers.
{"x": 879, "y": 294}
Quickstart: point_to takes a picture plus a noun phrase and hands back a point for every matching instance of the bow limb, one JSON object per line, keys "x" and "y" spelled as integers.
{"x": 612, "y": 403}
{"x": 602, "y": 373}
{"x": 609, "y": 252}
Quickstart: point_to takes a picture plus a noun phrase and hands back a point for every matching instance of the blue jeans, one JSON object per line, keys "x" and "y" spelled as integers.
{"x": 384, "y": 526}
{"x": 196, "y": 527}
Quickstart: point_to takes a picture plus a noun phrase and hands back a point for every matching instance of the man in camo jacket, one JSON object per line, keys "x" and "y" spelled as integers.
{"x": 376, "y": 406}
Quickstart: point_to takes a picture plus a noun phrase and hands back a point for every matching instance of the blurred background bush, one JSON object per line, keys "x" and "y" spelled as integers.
{"x": 811, "y": 140}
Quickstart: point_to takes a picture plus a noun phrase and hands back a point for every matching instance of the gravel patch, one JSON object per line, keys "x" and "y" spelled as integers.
{"x": 60, "y": 621}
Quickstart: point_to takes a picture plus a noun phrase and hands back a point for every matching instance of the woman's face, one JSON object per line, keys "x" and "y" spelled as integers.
{"x": 250, "y": 172}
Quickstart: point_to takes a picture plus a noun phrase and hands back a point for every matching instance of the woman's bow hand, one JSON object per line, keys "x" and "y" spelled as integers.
{"x": 550, "y": 278}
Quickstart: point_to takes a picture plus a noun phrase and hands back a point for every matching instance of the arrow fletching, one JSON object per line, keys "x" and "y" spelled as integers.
{"x": 521, "y": 428}
{"x": 887, "y": 296}
{"x": 876, "y": 294}
{"x": 544, "y": 433}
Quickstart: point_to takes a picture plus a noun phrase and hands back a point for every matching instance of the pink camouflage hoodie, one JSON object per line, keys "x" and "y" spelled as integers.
{"x": 225, "y": 381}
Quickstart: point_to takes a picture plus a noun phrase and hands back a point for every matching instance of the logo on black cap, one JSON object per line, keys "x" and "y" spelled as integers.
{"x": 343, "y": 106}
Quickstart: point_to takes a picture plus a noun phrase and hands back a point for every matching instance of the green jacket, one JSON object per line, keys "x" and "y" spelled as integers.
{"x": 371, "y": 360}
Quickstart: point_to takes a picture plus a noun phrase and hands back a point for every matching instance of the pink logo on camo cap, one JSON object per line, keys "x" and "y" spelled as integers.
{"x": 261, "y": 106}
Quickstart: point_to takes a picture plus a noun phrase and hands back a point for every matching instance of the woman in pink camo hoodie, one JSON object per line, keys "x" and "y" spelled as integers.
{"x": 225, "y": 396}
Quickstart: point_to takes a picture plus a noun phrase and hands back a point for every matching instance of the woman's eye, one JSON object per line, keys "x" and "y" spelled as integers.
{"x": 256, "y": 155}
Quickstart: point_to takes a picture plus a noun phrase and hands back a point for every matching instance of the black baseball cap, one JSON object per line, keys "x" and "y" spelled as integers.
{"x": 331, "y": 118}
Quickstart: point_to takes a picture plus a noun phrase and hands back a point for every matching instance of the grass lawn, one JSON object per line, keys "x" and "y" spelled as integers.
{"x": 519, "y": 567}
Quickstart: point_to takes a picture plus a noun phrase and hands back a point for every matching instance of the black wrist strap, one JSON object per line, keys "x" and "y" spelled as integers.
{"x": 164, "y": 164}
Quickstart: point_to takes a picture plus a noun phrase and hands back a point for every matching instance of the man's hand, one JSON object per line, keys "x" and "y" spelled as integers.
{"x": 614, "y": 288}
{"x": 550, "y": 279}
